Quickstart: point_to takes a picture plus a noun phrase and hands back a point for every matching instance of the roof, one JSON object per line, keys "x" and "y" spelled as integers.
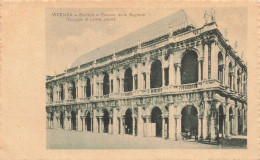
{"x": 177, "y": 20}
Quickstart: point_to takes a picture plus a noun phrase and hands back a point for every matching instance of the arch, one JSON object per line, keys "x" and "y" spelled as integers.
{"x": 128, "y": 80}
{"x": 105, "y": 120}
{"x": 88, "y": 87}
{"x": 128, "y": 121}
{"x": 88, "y": 121}
{"x": 189, "y": 121}
{"x": 156, "y": 74}
{"x": 73, "y": 120}
{"x": 220, "y": 67}
{"x": 61, "y": 120}
{"x": 106, "y": 84}
{"x": 189, "y": 67}
{"x": 156, "y": 118}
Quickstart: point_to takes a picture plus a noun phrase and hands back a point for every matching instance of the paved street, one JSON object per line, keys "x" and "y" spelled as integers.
{"x": 58, "y": 139}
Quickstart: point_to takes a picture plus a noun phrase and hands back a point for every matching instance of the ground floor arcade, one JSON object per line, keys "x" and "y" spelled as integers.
{"x": 207, "y": 121}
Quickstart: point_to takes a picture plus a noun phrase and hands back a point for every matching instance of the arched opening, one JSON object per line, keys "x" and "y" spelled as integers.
{"x": 60, "y": 90}
{"x": 189, "y": 122}
{"x": 88, "y": 121}
{"x": 189, "y": 67}
{"x": 73, "y": 120}
{"x": 106, "y": 84}
{"x": 128, "y": 122}
{"x": 220, "y": 67}
{"x": 156, "y": 119}
{"x": 61, "y": 120}
{"x": 230, "y": 74}
{"x": 106, "y": 121}
{"x": 88, "y": 89}
{"x": 221, "y": 120}
{"x": 128, "y": 80}
{"x": 72, "y": 90}
{"x": 156, "y": 74}
{"x": 230, "y": 120}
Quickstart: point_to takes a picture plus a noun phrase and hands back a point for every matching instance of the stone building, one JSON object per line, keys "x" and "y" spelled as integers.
{"x": 169, "y": 79}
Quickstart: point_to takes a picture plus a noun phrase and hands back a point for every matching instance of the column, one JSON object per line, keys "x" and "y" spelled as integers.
{"x": 148, "y": 129}
{"x": 83, "y": 123}
{"x": 139, "y": 76}
{"x": 109, "y": 125}
{"x": 101, "y": 125}
{"x": 212, "y": 130}
{"x": 115, "y": 122}
{"x": 199, "y": 69}
{"x": 171, "y": 123}
{"x": 58, "y": 121}
{"x": 227, "y": 130}
{"x": 133, "y": 80}
{"x": 178, "y": 73}
{"x": 122, "y": 85}
{"x": 199, "y": 127}
{"x": 79, "y": 88}
{"x": 148, "y": 80}
{"x": 65, "y": 91}
{"x": 95, "y": 123}
{"x": 163, "y": 123}
{"x": 121, "y": 125}
{"x": 163, "y": 78}
{"x": 178, "y": 127}
{"x": 94, "y": 86}
{"x": 214, "y": 60}
{"x": 171, "y": 70}
{"x": 79, "y": 125}
{"x": 204, "y": 121}
{"x": 236, "y": 121}
{"x": 235, "y": 78}
{"x": 133, "y": 125}
{"x": 139, "y": 122}
{"x": 205, "y": 63}
{"x": 54, "y": 121}
{"x": 91, "y": 125}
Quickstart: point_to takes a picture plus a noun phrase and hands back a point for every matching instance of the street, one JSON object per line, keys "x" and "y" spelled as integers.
{"x": 59, "y": 139}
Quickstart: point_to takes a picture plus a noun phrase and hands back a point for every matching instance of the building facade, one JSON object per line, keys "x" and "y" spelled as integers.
{"x": 170, "y": 79}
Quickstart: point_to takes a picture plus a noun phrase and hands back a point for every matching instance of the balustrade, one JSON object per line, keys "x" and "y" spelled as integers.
{"x": 176, "y": 88}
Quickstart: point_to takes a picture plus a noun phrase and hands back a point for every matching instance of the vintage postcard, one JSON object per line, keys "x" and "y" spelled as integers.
{"x": 144, "y": 80}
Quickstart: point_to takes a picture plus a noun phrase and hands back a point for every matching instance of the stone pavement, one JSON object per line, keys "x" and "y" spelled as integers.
{"x": 59, "y": 139}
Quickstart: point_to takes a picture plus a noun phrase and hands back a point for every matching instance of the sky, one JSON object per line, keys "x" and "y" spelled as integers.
{"x": 67, "y": 39}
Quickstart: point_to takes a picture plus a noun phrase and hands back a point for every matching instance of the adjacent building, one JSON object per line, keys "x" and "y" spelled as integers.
{"x": 169, "y": 79}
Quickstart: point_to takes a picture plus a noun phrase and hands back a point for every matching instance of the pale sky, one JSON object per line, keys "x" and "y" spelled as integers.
{"x": 66, "y": 41}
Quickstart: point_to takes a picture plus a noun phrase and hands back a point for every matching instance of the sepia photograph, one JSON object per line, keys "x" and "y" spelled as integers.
{"x": 158, "y": 78}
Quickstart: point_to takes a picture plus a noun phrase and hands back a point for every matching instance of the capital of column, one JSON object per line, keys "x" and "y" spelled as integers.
{"x": 200, "y": 59}
{"x": 177, "y": 65}
{"x": 177, "y": 116}
{"x": 82, "y": 117}
{"x": 200, "y": 116}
